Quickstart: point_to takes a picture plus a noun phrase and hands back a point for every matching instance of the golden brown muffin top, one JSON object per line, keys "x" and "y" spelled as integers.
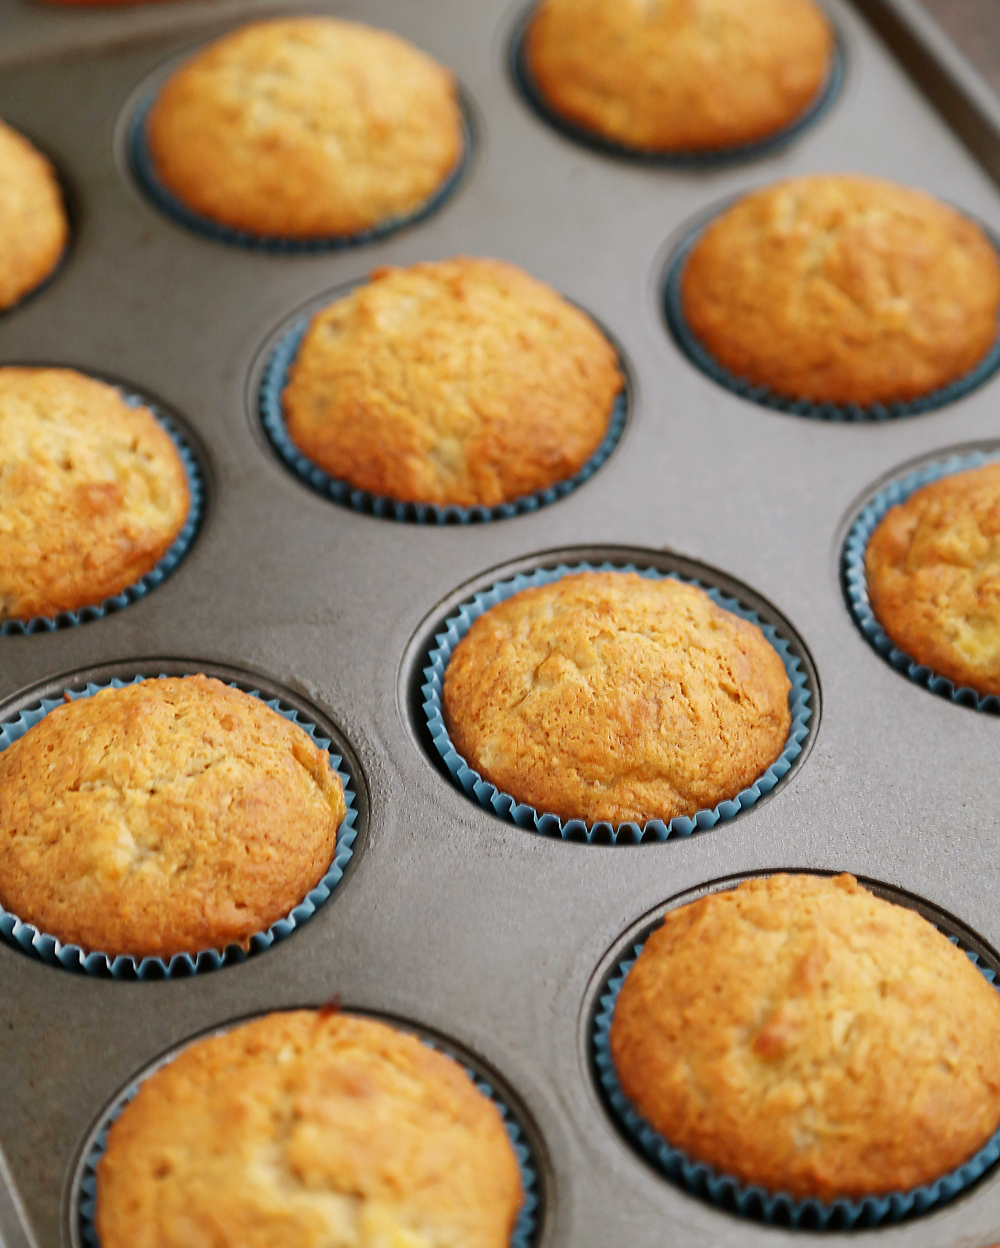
{"x": 306, "y": 127}
{"x": 92, "y": 492}
{"x": 33, "y": 226}
{"x": 803, "y": 1035}
{"x": 611, "y": 696}
{"x": 844, "y": 289}
{"x": 463, "y": 381}
{"x": 169, "y": 816}
{"x": 309, "y": 1129}
{"x": 933, "y": 567}
{"x": 679, "y": 75}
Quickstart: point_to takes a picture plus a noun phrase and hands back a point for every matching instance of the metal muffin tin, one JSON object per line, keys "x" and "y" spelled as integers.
{"x": 449, "y": 918}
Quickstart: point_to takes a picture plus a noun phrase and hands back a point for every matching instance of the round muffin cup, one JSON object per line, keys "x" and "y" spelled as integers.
{"x": 526, "y": 816}
{"x": 855, "y": 579}
{"x": 273, "y": 419}
{"x": 698, "y": 354}
{"x": 141, "y": 163}
{"x": 164, "y": 566}
{"x": 50, "y": 949}
{"x": 729, "y": 1193}
{"x": 522, "y": 1236}
{"x": 701, "y": 159}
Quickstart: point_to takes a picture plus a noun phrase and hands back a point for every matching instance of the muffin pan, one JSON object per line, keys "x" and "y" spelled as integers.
{"x": 448, "y": 917}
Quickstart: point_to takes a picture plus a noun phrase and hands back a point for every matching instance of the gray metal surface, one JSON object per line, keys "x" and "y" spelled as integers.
{"x": 449, "y": 917}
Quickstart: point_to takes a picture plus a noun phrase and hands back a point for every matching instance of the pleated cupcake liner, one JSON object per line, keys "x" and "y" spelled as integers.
{"x": 855, "y": 579}
{"x": 850, "y": 413}
{"x": 142, "y": 167}
{"x": 273, "y": 419}
{"x": 752, "y": 1201}
{"x": 526, "y": 816}
{"x": 522, "y": 1236}
{"x": 47, "y": 948}
{"x": 159, "y": 572}
{"x": 696, "y": 159}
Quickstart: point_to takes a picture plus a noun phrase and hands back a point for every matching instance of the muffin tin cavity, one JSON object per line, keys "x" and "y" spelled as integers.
{"x": 726, "y": 1192}
{"x": 19, "y": 715}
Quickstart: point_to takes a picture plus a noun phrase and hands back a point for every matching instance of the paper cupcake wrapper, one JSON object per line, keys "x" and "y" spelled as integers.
{"x": 142, "y": 167}
{"x": 522, "y": 1236}
{"x": 856, "y": 580}
{"x": 159, "y": 572}
{"x": 695, "y": 159}
{"x": 698, "y": 354}
{"x": 273, "y": 419}
{"x": 526, "y": 816}
{"x": 50, "y": 949}
{"x": 752, "y": 1201}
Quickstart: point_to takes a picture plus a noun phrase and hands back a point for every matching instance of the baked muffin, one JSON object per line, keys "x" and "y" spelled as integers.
{"x": 33, "y": 225}
{"x": 310, "y": 1128}
{"x": 94, "y": 492}
{"x": 305, "y": 127}
{"x": 933, "y": 570}
{"x": 611, "y": 696}
{"x": 843, "y": 289}
{"x": 800, "y": 1034}
{"x": 465, "y": 381}
{"x": 169, "y": 816}
{"x": 677, "y": 76}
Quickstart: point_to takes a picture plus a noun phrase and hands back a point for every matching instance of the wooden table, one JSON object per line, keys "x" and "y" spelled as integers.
{"x": 975, "y": 27}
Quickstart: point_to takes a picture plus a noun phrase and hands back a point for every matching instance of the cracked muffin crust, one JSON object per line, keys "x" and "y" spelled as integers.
{"x": 169, "y": 816}
{"x": 305, "y": 128}
{"x": 92, "y": 492}
{"x": 33, "y": 225}
{"x": 801, "y": 1034}
{"x": 933, "y": 572}
{"x": 679, "y": 75}
{"x": 843, "y": 289}
{"x": 462, "y": 382}
{"x": 613, "y": 696}
{"x": 310, "y": 1128}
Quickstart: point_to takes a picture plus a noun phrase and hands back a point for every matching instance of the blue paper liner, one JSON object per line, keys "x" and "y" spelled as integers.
{"x": 526, "y": 816}
{"x": 692, "y": 159}
{"x": 159, "y": 572}
{"x": 752, "y": 1201}
{"x": 522, "y": 1236}
{"x": 856, "y": 581}
{"x": 273, "y": 419}
{"x": 699, "y": 355}
{"x": 28, "y": 938}
{"x": 142, "y": 167}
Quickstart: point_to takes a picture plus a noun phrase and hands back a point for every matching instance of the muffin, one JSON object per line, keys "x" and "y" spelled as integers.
{"x": 165, "y": 817}
{"x": 611, "y": 696}
{"x": 673, "y": 76}
{"x": 305, "y": 128}
{"x": 933, "y": 571}
{"x": 800, "y": 1034}
{"x": 33, "y": 225}
{"x": 94, "y": 492}
{"x": 310, "y": 1128}
{"x": 843, "y": 289}
{"x": 460, "y": 382}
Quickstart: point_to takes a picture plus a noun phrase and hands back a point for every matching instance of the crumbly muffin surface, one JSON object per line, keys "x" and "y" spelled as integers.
{"x": 803, "y": 1035}
{"x": 933, "y": 570}
{"x": 611, "y": 696}
{"x": 843, "y": 289}
{"x": 33, "y": 225}
{"x": 463, "y": 381}
{"x": 92, "y": 492}
{"x": 305, "y": 127}
{"x": 166, "y": 817}
{"x": 312, "y": 1129}
{"x": 679, "y": 75}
